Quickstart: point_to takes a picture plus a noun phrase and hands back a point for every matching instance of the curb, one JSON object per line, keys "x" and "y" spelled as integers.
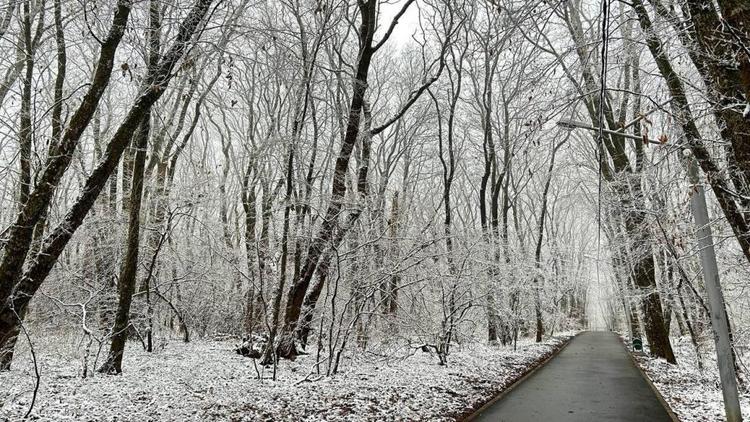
{"x": 476, "y": 413}
{"x": 651, "y": 385}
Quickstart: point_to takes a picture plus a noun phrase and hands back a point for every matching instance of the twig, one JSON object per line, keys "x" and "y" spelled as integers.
{"x": 36, "y": 367}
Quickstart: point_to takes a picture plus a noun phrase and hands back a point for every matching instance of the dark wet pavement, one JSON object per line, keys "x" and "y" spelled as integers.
{"x": 592, "y": 379}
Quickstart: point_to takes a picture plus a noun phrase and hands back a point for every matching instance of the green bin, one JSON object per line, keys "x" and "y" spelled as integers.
{"x": 637, "y": 344}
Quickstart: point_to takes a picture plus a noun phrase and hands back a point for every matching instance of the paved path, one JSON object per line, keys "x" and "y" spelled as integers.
{"x": 592, "y": 379}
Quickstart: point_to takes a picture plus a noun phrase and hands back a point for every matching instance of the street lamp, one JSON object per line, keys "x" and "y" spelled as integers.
{"x": 719, "y": 321}
{"x": 574, "y": 124}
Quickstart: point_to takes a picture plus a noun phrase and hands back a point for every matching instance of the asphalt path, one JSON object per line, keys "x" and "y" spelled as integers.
{"x": 592, "y": 379}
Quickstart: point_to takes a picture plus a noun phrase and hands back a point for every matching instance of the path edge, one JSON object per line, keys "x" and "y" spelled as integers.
{"x": 518, "y": 381}
{"x": 651, "y": 385}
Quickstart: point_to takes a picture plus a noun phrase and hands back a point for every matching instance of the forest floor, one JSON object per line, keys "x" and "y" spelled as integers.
{"x": 693, "y": 394}
{"x": 207, "y": 380}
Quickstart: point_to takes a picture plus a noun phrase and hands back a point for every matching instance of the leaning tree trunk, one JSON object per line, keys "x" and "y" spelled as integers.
{"x": 34, "y": 208}
{"x": 54, "y": 244}
{"x": 715, "y": 42}
{"x": 21, "y": 233}
{"x": 318, "y": 246}
{"x": 715, "y": 176}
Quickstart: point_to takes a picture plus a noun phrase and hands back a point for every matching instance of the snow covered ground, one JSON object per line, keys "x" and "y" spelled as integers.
{"x": 693, "y": 395}
{"x": 207, "y": 381}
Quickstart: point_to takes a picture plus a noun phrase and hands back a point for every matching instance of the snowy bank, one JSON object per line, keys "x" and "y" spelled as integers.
{"x": 693, "y": 394}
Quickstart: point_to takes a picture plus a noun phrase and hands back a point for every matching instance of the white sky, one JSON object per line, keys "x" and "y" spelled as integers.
{"x": 407, "y": 24}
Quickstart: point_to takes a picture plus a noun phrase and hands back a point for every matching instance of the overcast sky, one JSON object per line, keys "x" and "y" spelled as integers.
{"x": 407, "y": 25}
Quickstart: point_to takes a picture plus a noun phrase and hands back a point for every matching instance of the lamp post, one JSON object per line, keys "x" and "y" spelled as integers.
{"x": 710, "y": 269}
{"x": 719, "y": 321}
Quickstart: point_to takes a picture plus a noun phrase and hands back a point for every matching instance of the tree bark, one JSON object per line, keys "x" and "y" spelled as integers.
{"x": 626, "y": 185}
{"x": 317, "y": 247}
{"x": 736, "y": 13}
{"x": 34, "y": 205}
{"x": 21, "y": 233}
{"x": 692, "y": 137}
{"x": 129, "y": 271}
{"x": 54, "y": 244}
{"x": 538, "y": 250}
{"x": 716, "y": 50}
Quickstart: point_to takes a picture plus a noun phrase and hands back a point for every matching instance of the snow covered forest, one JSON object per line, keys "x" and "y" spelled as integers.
{"x": 366, "y": 210}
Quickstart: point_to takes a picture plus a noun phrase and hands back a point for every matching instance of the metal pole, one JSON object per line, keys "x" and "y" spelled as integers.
{"x": 715, "y": 295}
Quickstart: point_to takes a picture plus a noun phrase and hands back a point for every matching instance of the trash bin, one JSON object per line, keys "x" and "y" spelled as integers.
{"x": 637, "y": 344}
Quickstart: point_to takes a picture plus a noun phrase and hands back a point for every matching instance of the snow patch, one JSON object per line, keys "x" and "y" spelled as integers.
{"x": 694, "y": 395}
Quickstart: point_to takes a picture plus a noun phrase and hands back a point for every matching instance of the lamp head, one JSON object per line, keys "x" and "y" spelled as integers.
{"x": 567, "y": 124}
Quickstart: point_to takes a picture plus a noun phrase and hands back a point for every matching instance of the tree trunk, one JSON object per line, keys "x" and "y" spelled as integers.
{"x": 286, "y": 345}
{"x": 57, "y": 240}
{"x": 692, "y": 136}
{"x": 390, "y": 300}
{"x": 318, "y": 245}
{"x": 129, "y": 272}
{"x": 626, "y": 185}
{"x": 538, "y": 250}
{"x": 21, "y": 233}
{"x": 249, "y": 204}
